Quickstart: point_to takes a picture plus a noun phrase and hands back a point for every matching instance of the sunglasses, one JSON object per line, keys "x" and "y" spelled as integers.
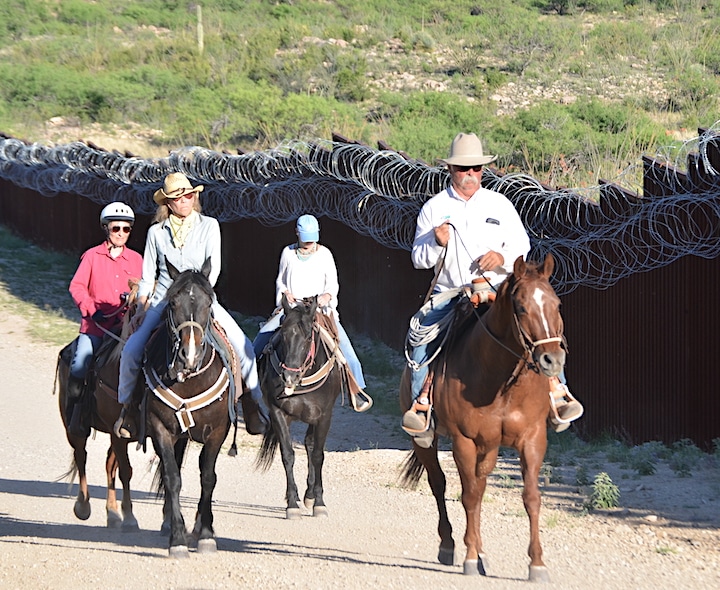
{"x": 466, "y": 168}
{"x": 116, "y": 229}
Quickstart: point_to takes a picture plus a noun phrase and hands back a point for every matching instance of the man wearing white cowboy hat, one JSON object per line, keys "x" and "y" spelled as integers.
{"x": 183, "y": 236}
{"x": 480, "y": 234}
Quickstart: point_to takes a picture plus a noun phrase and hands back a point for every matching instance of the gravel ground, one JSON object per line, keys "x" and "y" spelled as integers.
{"x": 665, "y": 535}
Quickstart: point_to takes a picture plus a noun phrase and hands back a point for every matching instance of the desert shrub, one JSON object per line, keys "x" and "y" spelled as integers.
{"x": 685, "y": 457}
{"x": 610, "y": 40}
{"x": 424, "y": 124}
{"x": 605, "y": 494}
{"x": 77, "y": 12}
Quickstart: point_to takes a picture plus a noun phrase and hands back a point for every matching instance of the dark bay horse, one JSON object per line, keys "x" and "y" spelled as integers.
{"x": 301, "y": 380}
{"x": 490, "y": 389}
{"x": 101, "y": 410}
{"x": 188, "y": 389}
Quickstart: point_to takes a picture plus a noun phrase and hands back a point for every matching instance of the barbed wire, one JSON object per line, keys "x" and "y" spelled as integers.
{"x": 597, "y": 235}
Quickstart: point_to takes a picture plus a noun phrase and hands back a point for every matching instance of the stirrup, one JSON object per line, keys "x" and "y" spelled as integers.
{"x": 366, "y": 401}
{"x": 122, "y": 427}
{"x": 558, "y": 401}
{"x": 416, "y": 408}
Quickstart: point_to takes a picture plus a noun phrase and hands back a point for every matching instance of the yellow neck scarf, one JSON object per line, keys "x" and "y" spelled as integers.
{"x": 180, "y": 228}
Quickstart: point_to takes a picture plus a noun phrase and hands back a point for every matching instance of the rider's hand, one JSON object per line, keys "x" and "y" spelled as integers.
{"x": 98, "y": 317}
{"x": 324, "y": 299}
{"x": 290, "y": 297}
{"x": 442, "y": 234}
{"x": 490, "y": 261}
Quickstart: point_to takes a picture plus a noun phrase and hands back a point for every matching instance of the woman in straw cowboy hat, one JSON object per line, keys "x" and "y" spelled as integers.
{"x": 480, "y": 235}
{"x": 183, "y": 236}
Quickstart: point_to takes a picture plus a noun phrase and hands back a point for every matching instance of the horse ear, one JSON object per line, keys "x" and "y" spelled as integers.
{"x": 313, "y": 306}
{"x": 549, "y": 265}
{"x": 206, "y": 267}
{"x": 172, "y": 271}
{"x": 519, "y": 266}
{"x": 285, "y": 305}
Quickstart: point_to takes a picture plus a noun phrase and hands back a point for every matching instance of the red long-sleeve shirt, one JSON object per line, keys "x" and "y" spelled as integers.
{"x": 98, "y": 283}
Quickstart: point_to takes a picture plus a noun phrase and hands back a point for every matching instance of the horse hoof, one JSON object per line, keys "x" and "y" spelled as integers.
{"x": 446, "y": 556}
{"x": 179, "y": 552}
{"x": 114, "y": 520}
{"x": 130, "y": 524}
{"x": 321, "y": 511}
{"x": 539, "y": 574}
{"x": 309, "y": 503}
{"x": 293, "y": 513}
{"x": 206, "y": 546}
{"x": 82, "y": 510}
{"x": 475, "y": 567}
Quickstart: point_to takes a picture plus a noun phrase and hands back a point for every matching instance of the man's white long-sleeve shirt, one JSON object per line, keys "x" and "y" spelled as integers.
{"x": 487, "y": 221}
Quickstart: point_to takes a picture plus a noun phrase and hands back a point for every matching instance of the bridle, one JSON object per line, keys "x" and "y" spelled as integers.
{"x": 529, "y": 345}
{"x": 309, "y": 359}
{"x": 175, "y": 330}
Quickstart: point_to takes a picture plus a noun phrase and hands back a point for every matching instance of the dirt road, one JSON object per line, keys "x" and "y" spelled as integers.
{"x": 377, "y": 535}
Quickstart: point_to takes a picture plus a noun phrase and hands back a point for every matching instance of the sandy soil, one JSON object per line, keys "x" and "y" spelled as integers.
{"x": 665, "y": 535}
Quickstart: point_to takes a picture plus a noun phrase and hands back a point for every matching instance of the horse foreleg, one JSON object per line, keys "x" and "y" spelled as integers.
{"x": 436, "y": 478}
{"x": 531, "y": 457}
{"x": 82, "y": 507}
{"x": 129, "y": 522}
{"x": 473, "y": 470}
{"x": 114, "y": 518}
{"x": 282, "y": 430}
{"x": 203, "y": 530}
{"x": 164, "y": 447}
{"x": 309, "y": 499}
{"x": 315, "y": 447}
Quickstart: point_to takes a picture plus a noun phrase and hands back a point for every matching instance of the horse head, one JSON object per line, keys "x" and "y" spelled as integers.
{"x": 189, "y": 302}
{"x": 297, "y": 341}
{"x": 536, "y": 310}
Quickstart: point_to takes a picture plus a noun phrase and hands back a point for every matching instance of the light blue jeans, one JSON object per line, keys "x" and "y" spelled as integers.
{"x": 422, "y": 353}
{"x": 346, "y": 346}
{"x": 135, "y": 346}
{"x": 87, "y": 345}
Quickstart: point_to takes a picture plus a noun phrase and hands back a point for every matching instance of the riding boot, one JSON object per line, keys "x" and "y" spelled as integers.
{"x": 254, "y": 423}
{"x": 74, "y": 410}
{"x": 77, "y": 425}
{"x": 126, "y": 424}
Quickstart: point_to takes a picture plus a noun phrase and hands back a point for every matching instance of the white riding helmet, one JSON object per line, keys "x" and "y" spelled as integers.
{"x": 117, "y": 212}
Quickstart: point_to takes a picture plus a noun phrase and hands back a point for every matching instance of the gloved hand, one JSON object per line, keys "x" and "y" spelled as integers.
{"x": 98, "y": 317}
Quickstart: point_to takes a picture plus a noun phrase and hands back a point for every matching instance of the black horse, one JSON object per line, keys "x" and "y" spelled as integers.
{"x": 301, "y": 380}
{"x": 189, "y": 393}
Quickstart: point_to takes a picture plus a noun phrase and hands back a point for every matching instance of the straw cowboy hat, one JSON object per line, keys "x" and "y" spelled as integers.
{"x": 466, "y": 150}
{"x": 175, "y": 186}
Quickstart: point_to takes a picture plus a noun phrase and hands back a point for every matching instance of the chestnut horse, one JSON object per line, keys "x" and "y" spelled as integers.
{"x": 301, "y": 380}
{"x": 491, "y": 388}
{"x": 101, "y": 410}
{"x": 189, "y": 396}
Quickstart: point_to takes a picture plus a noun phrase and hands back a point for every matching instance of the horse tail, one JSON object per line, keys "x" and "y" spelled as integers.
{"x": 266, "y": 454}
{"x": 411, "y": 471}
{"x": 71, "y": 473}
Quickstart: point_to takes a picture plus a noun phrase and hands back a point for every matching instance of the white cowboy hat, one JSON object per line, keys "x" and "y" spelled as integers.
{"x": 466, "y": 150}
{"x": 175, "y": 186}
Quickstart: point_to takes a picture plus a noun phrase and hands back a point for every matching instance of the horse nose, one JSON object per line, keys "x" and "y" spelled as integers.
{"x": 551, "y": 363}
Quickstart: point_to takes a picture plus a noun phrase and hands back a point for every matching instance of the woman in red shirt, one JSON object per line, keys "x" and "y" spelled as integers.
{"x": 97, "y": 288}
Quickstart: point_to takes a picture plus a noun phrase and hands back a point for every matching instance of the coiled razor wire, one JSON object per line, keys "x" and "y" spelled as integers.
{"x": 597, "y": 235}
